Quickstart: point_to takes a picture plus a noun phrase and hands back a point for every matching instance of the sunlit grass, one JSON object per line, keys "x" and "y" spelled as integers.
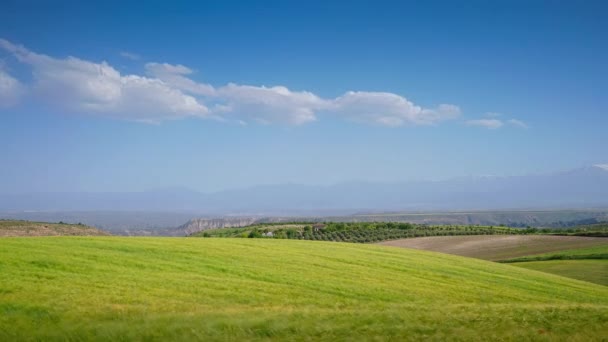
{"x": 112, "y": 288}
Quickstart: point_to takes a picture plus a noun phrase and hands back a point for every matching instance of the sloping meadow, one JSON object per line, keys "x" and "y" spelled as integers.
{"x": 110, "y": 288}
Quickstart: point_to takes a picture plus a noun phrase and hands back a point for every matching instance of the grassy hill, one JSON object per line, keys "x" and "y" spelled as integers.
{"x": 29, "y": 228}
{"x": 113, "y": 288}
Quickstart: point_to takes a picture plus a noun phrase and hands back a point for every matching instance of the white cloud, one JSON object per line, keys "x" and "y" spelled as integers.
{"x": 279, "y": 104}
{"x": 270, "y": 105}
{"x": 518, "y": 123}
{"x": 487, "y": 123}
{"x": 10, "y": 90}
{"x": 174, "y": 75}
{"x": 602, "y": 166}
{"x": 167, "y": 91}
{"x": 98, "y": 88}
{"x": 492, "y": 122}
{"x": 130, "y": 55}
{"x": 388, "y": 109}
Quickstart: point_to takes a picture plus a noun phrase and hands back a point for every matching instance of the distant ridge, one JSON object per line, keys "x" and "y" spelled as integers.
{"x": 28, "y": 228}
{"x": 585, "y": 187}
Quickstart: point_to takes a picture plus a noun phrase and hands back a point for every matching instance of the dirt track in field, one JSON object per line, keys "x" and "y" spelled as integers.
{"x": 497, "y": 247}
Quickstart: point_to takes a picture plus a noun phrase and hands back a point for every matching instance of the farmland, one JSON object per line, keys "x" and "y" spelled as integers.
{"x": 588, "y": 264}
{"x": 498, "y": 247}
{"x": 546, "y": 253}
{"x": 594, "y": 271}
{"x": 115, "y": 288}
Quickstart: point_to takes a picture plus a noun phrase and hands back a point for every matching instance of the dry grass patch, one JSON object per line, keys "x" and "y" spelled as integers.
{"x": 10, "y": 228}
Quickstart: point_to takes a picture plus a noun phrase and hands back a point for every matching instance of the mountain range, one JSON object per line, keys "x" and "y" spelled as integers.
{"x": 585, "y": 187}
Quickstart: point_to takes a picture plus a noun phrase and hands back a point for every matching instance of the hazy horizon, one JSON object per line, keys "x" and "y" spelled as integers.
{"x": 578, "y": 188}
{"x": 185, "y": 188}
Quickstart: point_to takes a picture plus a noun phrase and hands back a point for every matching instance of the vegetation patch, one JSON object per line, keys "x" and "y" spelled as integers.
{"x": 369, "y": 232}
{"x": 595, "y": 230}
{"x": 596, "y": 253}
{"x": 358, "y": 232}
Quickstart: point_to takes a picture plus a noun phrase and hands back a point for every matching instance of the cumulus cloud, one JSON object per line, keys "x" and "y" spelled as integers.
{"x": 486, "y": 123}
{"x": 518, "y": 123}
{"x": 175, "y": 76}
{"x": 98, "y": 88}
{"x": 10, "y": 89}
{"x": 270, "y": 105}
{"x": 167, "y": 91}
{"x": 388, "y": 109}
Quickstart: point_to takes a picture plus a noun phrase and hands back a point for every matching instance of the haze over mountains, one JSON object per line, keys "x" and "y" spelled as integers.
{"x": 585, "y": 187}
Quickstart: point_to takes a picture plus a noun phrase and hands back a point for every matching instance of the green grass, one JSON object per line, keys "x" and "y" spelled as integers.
{"x": 594, "y": 271}
{"x": 117, "y": 288}
{"x": 596, "y": 252}
{"x": 588, "y": 264}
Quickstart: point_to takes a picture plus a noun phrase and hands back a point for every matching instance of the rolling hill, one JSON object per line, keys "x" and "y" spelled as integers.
{"x": 116, "y": 288}
{"x": 28, "y": 228}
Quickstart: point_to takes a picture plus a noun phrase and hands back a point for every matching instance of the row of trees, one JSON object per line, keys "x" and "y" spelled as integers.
{"x": 363, "y": 232}
{"x": 356, "y": 233}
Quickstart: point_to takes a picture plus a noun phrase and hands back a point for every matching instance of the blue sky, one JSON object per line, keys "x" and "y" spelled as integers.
{"x": 115, "y": 96}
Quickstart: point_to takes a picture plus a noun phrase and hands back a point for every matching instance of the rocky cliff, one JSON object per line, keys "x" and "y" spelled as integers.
{"x": 200, "y": 224}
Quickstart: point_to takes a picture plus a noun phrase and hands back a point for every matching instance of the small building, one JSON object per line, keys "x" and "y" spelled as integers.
{"x": 318, "y": 226}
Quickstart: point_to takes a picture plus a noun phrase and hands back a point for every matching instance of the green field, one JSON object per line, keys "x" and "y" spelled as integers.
{"x": 116, "y": 288}
{"x": 588, "y": 264}
{"x": 594, "y": 271}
